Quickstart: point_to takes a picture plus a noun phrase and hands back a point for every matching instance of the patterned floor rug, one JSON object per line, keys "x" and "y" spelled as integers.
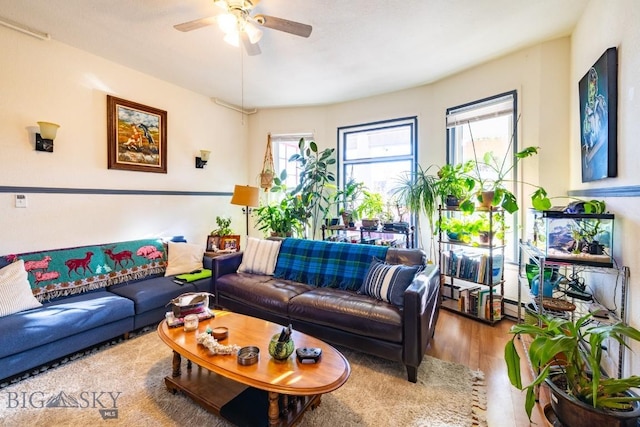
{"x": 123, "y": 385}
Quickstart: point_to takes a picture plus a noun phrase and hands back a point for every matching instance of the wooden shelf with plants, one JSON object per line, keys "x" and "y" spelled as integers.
{"x": 471, "y": 253}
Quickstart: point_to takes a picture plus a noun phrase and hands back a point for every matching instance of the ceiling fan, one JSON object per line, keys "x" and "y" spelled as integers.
{"x": 238, "y": 24}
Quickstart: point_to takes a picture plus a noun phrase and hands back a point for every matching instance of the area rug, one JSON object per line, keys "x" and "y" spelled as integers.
{"x": 123, "y": 385}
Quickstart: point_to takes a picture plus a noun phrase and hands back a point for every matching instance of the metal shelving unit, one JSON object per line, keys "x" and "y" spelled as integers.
{"x": 463, "y": 303}
{"x": 532, "y": 254}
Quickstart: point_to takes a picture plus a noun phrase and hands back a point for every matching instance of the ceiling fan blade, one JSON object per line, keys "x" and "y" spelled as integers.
{"x": 280, "y": 24}
{"x": 194, "y": 25}
{"x": 251, "y": 49}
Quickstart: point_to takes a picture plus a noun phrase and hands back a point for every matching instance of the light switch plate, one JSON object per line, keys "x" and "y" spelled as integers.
{"x": 21, "y": 200}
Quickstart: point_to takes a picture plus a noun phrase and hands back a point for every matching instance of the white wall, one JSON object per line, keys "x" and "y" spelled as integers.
{"x": 539, "y": 74}
{"x": 604, "y": 25}
{"x": 53, "y": 82}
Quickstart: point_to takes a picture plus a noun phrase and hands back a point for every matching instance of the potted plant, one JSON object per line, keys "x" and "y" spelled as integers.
{"x": 454, "y": 183}
{"x": 370, "y": 209}
{"x": 492, "y": 173}
{"x": 224, "y": 228}
{"x": 315, "y": 178}
{"x": 347, "y": 197}
{"x": 417, "y": 191}
{"x": 567, "y": 356}
{"x": 473, "y": 229}
{"x": 281, "y": 218}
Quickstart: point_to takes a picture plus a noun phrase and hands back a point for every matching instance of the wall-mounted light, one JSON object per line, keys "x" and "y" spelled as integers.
{"x": 44, "y": 139}
{"x": 203, "y": 159}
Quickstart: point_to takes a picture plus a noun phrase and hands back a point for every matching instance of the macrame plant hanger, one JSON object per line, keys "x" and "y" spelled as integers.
{"x": 266, "y": 176}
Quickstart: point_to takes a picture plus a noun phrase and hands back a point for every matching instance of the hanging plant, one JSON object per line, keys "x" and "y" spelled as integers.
{"x": 267, "y": 174}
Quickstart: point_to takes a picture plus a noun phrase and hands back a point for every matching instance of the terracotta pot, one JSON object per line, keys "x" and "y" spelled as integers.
{"x": 486, "y": 198}
{"x": 571, "y": 412}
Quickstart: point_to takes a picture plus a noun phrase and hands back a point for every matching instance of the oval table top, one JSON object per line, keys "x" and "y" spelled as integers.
{"x": 286, "y": 377}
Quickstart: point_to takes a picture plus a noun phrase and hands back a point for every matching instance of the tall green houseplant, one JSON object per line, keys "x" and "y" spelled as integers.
{"x": 315, "y": 176}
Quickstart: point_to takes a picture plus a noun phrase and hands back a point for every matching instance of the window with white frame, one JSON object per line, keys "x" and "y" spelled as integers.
{"x": 486, "y": 125}
{"x": 378, "y": 153}
{"x": 284, "y": 146}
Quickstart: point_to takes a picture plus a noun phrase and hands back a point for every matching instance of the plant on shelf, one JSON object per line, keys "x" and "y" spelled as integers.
{"x": 454, "y": 183}
{"x": 224, "y": 228}
{"x": 491, "y": 175}
{"x": 347, "y": 198}
{"x": 371, "y": 208}
{"x": 477, "y": 228}
{"x": 567, "y": 355}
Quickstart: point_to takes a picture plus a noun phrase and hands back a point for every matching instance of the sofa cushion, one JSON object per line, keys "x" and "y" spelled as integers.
{"x": 260, "y": 256}
{"x": 387, "y": 282}
{"x": 59, "y": 319}
{"x": 326, "y": 264}
{"x": 183, "y": 258}
{"x": 150, "y": 294}
{"x": 260, "y": 291}
{"x": 348, "y": 311}
{"x": 15, "y": 291}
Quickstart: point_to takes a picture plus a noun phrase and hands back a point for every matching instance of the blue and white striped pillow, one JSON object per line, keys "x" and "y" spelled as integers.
{"x": 387, "y": 282}
{"x": 260, "y": 256}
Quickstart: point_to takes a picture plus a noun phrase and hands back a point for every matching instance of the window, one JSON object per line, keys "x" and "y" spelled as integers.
{"x": 284, "y": 146}
{"x": 377, "y": 153}
{"x": 490, "y": 123}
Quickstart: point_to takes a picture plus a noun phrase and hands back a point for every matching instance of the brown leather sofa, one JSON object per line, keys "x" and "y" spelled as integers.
{"x": 342, "y": 317}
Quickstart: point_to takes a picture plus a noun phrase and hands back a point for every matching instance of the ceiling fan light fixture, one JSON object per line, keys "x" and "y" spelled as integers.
{"x": 254, "y": 33}
{"x": 233, "y": 38}
{"x": 228, "y": 23}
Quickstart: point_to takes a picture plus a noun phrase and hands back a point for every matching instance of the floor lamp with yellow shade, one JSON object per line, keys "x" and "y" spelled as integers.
{"x": 246, "y": 196}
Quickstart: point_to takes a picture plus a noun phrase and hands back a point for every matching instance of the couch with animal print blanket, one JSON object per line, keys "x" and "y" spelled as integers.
{"x": 57, "y": 302}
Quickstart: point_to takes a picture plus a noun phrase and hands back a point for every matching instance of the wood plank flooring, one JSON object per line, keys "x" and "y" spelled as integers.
{"x": 481, "y": 346}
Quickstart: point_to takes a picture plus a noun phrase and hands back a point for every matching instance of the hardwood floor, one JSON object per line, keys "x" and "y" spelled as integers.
{"x": 481, "y": 346}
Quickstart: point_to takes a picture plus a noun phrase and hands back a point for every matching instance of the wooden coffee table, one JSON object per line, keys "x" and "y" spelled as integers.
{"x": 269, "y": 391}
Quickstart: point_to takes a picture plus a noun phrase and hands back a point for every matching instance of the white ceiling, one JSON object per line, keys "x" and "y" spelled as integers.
{"x": 358, "y": 48}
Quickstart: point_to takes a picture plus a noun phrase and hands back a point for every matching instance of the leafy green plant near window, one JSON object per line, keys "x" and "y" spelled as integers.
{"x": 280, "y": 218}
{"x": 492, "y": 174}
{"x": 315, "y": 176}
{"x": 372, "y": 205}
{"x": 453, "y": 180}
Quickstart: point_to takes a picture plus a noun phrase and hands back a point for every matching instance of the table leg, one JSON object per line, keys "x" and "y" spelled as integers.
{"x": 274, "y": 409}
{"x": 177, "y": 361}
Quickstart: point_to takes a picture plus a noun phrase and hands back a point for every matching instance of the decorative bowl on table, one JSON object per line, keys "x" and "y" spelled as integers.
{"x": 280, "y": 350}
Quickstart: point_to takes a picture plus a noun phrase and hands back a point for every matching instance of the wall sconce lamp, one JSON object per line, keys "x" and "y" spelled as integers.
{"x": 44, "y": 139}
{"x": 247, "y": 196}
{"x": 203, "y": 159}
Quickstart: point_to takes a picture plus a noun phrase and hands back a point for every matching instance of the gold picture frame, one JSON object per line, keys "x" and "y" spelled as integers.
{"x": 229, "y": 243}
{"x": 136, "y": 136}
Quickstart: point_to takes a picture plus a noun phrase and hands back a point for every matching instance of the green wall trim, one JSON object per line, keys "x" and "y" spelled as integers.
{"x": 54, "y": 190}
{"x": 626, "y": 191}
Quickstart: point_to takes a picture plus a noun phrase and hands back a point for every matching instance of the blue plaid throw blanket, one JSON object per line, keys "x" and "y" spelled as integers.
{"x": 326, "y": 264}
